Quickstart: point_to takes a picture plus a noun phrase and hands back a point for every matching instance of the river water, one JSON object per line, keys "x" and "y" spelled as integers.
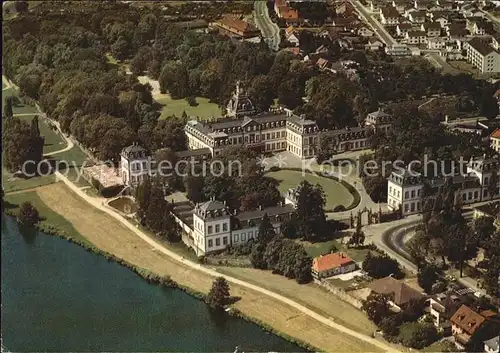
{"x": 56, "y": 296}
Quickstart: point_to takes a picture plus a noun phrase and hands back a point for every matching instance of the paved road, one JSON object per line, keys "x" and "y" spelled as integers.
{"x": 491, "y": 17}
{"x": 270, "y": 30}
{"x": 374, "y": 23}
{"x": 392, "y": 237}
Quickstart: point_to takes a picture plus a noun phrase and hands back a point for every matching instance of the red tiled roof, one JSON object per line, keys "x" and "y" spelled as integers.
{"x": 495, "y": 134}
{"x": 326, "y": 262}
{"x": 467, "y": 319}
{"x": 288, "y": 13}
{"x": 237, "y": 25}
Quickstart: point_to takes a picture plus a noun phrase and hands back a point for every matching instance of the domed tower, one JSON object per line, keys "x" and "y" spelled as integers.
{"x": 240, "y": 104}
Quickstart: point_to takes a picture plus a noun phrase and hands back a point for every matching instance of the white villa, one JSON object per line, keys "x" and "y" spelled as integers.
{"x": 405, "y": 187}
{"x": 214, "y": 227}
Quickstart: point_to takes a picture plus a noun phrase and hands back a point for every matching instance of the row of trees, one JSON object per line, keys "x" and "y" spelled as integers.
{"x": 21, "y": 143}
{"x": 154, "y": 211}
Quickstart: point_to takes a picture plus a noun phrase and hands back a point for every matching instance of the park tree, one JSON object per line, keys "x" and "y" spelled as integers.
{"x": 21, "y": 6}
{"x": 219, "y": 294}
{"x": 310, "y": 213}
{"x": 17, "y": 145}
{"x": 266, "y": 230}
{"x": 493, "y": 184}
{"x": 261, "y": 92}
{"x": 414, "y": 309}
{"x": 28, "y": 214}
{"x": 381, "y": 266}
{"x": 390, "y": 325}
{"x": 36, "y": 144}
{"x": 194, "y": 188}
{"x": 484, "y": 230}
{"x": 358, "y": 237}
{"x": 174, "y": 79}
{"x": 257, "y": 255}
{"x": 376, "y": 306}
{"x": 427, "y": 276}
{"x": 143, "y": 198}
{"x": 8, "y": 110}
{"x": 423, "y": 336}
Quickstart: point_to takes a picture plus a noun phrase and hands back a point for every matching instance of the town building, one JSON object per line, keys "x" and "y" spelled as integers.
{"x": 432, "y": 29}
{"x": 284, "y": 11}
{"x": 403, "y": 28}
{"x": 213, "y": 227}
{"x": 495, "y": 140}
{"x": 405, "y": 186}
{"x": 389, "y": 16}
{"x": 436, "y": 43}
{"x": 374, "y": 44}
{"x": 332, "y": 264}
{"x": 232, "y": 26}
{"x": 442, "y": 306}
{"x": 482, "y": 56}
{"x": 416, "y": 37}
{"x": 402, "y": 293}
{"x": 417, "y": 16}
{"x": 465, "y": 322}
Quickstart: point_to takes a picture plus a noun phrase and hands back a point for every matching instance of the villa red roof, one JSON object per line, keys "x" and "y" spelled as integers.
{"x": 495, "y": 134}
{"x": 326, "y": 262}
{"x": 467, "y": 319}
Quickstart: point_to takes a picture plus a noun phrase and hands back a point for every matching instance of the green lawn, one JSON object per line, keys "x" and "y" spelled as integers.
{"x": 325, "y": 247}
{"x": 176, "y": 107}
{"x": 53, "y": 140}
{"x": 50, "y": 218}
{"x": 336, "y": 194}
{"x": 407, "y": 329}
{"x": 75, "y": 158}
{"x": 21, "y": 184}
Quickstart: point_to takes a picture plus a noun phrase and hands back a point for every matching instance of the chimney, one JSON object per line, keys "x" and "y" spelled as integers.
{"x": 260, "y": 207}
{"x": 446, "y": 118}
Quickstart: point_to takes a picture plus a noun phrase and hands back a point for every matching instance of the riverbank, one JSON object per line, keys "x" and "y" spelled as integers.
{"x": 110, "y": 236}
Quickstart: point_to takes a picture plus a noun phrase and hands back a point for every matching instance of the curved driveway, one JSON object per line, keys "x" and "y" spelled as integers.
{"x": 270, "y": 30}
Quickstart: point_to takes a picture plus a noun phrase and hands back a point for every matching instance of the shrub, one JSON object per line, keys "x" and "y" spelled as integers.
{"x": 274, "y": 169}
{"x": 28, "y": 214}
{"x": 191, "y": 100}
{"x": 339, "y": 208}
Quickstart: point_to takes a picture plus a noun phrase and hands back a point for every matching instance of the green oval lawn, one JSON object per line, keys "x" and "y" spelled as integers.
{"x": 336, "y": 194}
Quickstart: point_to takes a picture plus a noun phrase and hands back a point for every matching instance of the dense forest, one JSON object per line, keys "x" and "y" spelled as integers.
{"x": 60, "y": 58}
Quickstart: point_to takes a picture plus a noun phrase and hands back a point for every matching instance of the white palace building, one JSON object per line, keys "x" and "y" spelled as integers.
{"x": 405, "y": 188}
{"x": 276, "y": 130}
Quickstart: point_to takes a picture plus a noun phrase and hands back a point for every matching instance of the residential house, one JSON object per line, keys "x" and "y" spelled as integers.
{"x": 292, "y": 36}
{"x": 421, "y": 4}
{"x": 445, "y": 4}
{"x": 377, "y": 5}
{"x": 417, "y": 16}
{"x": 324, "y": 65}
{"x": 482, "y": 56}
{"x": 416, "y": 37}
{"x": 495, "y": 140}
{"x": 401, "y": 292}
{"x": 289, "y": 14}
{"x": 364, "y": 31}
{"x": 403, "y": 28}
{"x": 440, "y": 16}
{"x": 400, "y": 5}
{"x": 232, "y": 26}
{"x": 331, "y": 265}
{"x": 433, "y": 29}
{"x": 389, "y": 16}
{"x": 467, "y": 323}
{"x": 491, "y": 210}
{"x": 442, "y": 306}
{"x": 492, "y": 345}
{"x": 436, "y": 43}
{"x": 374, "y": 44}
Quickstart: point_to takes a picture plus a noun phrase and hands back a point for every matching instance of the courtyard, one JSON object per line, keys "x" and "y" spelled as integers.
{"x": 335, "y": 193}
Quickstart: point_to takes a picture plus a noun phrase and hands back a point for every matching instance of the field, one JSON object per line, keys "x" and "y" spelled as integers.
{"x": 111, "y": 236}
{"x": 324, "y": 302}
{"x": 48, "y": 215}
{"x": 336, "y": 194}
{"x": 176, "y": 107}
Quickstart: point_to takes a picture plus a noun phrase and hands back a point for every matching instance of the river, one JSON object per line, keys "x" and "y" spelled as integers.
{"x": 56, "y": 296}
